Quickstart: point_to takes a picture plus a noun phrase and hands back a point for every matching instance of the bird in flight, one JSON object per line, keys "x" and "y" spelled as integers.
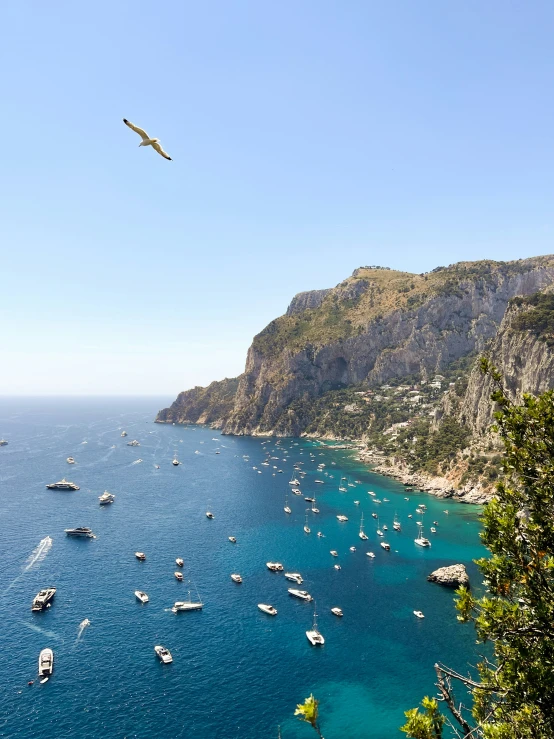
{"x": 146, "y": 140}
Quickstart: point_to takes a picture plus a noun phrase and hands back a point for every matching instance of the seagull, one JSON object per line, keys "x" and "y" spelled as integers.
{"x": 146, "y": 140}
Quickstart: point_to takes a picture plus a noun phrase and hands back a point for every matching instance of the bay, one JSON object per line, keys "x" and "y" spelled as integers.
{"x": 236, "y": 672}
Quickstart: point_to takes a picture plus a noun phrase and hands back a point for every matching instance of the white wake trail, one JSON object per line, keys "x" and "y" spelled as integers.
{"x": 39, "y": 553}
{"x": 82, "y": 626}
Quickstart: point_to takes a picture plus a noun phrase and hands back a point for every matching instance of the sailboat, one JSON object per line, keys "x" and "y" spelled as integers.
{"x": 421, "y": 540}
{"x": 342, "y": 489}
{"x": 293, "y": 480}
{"x": 314, "y": 509}
{"x": 314, "y": 637}
{"x": 188, "y": 605}
{"x": 362, "y": 533}
{"x": 175, "y": 460}
{"x": 307, "y": 529}
{"x": 287, "y": 507}
{"x": 379, "y": 532}
{"x": 396, "y": 523}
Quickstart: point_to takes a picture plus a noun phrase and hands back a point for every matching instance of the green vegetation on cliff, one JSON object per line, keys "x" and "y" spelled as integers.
{"x": 539, "y": 318}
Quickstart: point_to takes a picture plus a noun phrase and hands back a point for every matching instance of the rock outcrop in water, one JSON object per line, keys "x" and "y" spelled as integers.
{"x": 378, "y": 325}
{"x": 452, "y": 576}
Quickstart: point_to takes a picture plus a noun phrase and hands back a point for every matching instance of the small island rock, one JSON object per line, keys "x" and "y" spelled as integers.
{"x": 452, "y": 576}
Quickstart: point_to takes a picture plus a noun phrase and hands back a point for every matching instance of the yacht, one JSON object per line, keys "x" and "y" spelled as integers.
{"x": 187, "y": 605}
{"x": 123, "y": 433}
{"x": 385, "y": 546}
{"x": 294, "y": 481}
{"x": 295, "y": 577}
{"x": 421, "y": 540}
{"x": 3, "y": 442}
{"x": 141, "y": 556}
{"x": 307, "y": 529}
{"x": 340, "y": 517}
{"x": 63, "y": 484}
{"x": 396, "y": 524}
{"x": 178, "y": 576}
{"x": 302, "y": 594}
{"x": 42, "y": 599}
{"x": 433, "y": 530}
{"x": 362, "y": 533}
{"x": 106, "y": 498}
{"x": 309, "y": 500}
{"x": 314, "y": 637}
{"x": 370, "y": 554}
{"x": 334, "y": 553}
{"x": 180, "y": 562}
{"x": 236, "y": 577}
{"x": 80, "y": 531}
{"x": 274, "y": 566}
{"x": 164, "y": 654}
{"x": 70, "y": 460}
{"x": 209, "y": 514}
{"x": 133, "y": 443}
{"x": 337, "y": 611}
{"x": 342, "y": 489}
{"x": 370, "y": 492}
{"x": 296, "y": 491}
{"x": 419, "y": 614}
{"x": 270, "y": 610}
{"x": 141, "y": 595}
{"x": 45, "y": 664}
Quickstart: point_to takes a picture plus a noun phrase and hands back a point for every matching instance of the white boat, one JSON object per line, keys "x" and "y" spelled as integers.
{"x": 133, "y": 443}
{"x": 320, "y": 534}
{"x": 319, "y": 482}
{"x": 187, "y": 605}
{"x": 63, "y": 484}
{"x": 80, "y": 531}
{"x": 433, "y": 530}
{"x": 45, "y": 664}
{"x": 356, "y": 502}
{"x": 419, "y": 614}
{"x": 370, "y": 492}
{"x": 337, "y": 567}
{"x": 123, "y": 433}
{"x": 178, "y": 576}
{"x": 421, "y": 540}
{"x": 341, "y": 517}
{"x": 337, "y": 611}
{"x": 141, "y": 556}
{"x": 287, "y": 508}
{"x": 302, "y": 594}
{"x": 362, "y": 533}
{"x": 294, "y": 577}
{"x": 307, "y": 529}
{"x": 235, "y": 577}
{"x": 385, "y": 527}
{"x": 106, "y": 498}
{"x": 274, "y": 566}
{"x": 334, "y": 553}
{"x": 179, "y": 562}
{"x": 294, "y": 481}
{"x": 175, "y": 461}
{"x": 352, "y": 549}
{"x": 385, "y": 546}
{"x": 233, "y": 539}
{"x": 70, "y": 460}
{"x": 3, "y": 442}
{"x": 314, "y": 636}
{"x": 42, "y": 599}
{"x": 296, "y": 491}
{"x": 314, "y": 509}
{"x": 270, "y": 610}
{"x": 396, "y": 524}
{"x": 370, "y": 554}
{"x": 342, "y": 489}
{"x": 209, "y": 514}
{"x": 141, "y": 595}
{"x": 163, "y": 654}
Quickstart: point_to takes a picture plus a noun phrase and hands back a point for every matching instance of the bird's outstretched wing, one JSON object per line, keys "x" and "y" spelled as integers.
{"x": 141, "y": 132}
{"x": 161, "y": 151}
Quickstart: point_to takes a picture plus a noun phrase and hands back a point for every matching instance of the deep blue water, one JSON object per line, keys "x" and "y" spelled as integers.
{"x": 236, "y": 672}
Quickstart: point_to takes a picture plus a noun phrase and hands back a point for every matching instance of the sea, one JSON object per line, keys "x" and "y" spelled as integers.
{"x": 236, "y": 672}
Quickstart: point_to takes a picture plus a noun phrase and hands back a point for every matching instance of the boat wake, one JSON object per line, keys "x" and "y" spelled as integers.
{"x": 82, "y": 626}
{"x": 34, "y": 627}
{"x": 39, "y": 553}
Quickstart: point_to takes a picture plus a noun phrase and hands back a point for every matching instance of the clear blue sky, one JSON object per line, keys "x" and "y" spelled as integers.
{"x": 307, "y": 138}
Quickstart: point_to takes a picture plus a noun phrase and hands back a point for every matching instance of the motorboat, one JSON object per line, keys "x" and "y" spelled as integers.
{"x": 3, "y": 442}
{"x": 396, "y": 524}
{"x": 385, "y": 546}
{"x": 45, "y": 664}
{"x": 133, "y": 443}
{"x": 307, "y": 529}
{"x": 356, "y": 502}
{"x": 362, "y": 533}
{"x": 141, "y": 595}
{"x": 421, "y": 540}
{"x": 63, "y": 484}
{"x": 334, "y": 553}
{"x": 274, "y": 566}
{"x": 302, "y": 594}
{"x": 106, "y": 498}
{"x": 294, "y": 481}
{"x": 42, "y": 599}
{"x": 337, "y": 611}
{"x": 309, "y": 500}
{"x": 270, "y": 610}
{"x": 319, "y": 482}
{"x": 370, "y": 554}
{"x": 314, "y": 637}
{"x": 374, "y": 515}
{"x": 341, "y": 517}
{"x": 337, "y": 567}
{"x": 141, "y": 556}
{"x": 419, "y": 614}
{"x": 180, "y": 562}
{"x": 235, "y": 577}
{"x": 124, "y": 433}
{"x": 163, "y": 654}
{"x": 178, "y": 576}
{"x": 187, "y": 605}
{"x": 433, "y": 530}
{"x": 287, "y": 508}
{"x": 80, "y": 531}
{"x": 70, "y": 460}
{"x": 385, "y": 527}
{"x": 209, "y": 514}
{"x": 370, "y": 492}
{"x": 294, "y": 577}
{"x": 386, "y": 500}
{"x": 296, "y": 491}
{"x": 175, "y": 461}
{"x": 342, "y": 489}
{"x": 233, "y": 539}
{"x": 352, "y": 549}
{"x": 320, "y": 534}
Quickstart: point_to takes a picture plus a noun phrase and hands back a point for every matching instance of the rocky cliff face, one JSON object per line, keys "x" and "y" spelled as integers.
{"x": 375, "y": 326}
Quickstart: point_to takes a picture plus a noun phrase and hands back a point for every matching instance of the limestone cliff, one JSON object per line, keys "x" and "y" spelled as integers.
{"x": 373, "y": 327}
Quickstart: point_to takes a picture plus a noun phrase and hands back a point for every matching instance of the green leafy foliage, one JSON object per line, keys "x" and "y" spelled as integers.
{"x": 539, "y": 318}
{"x": 309, "y": 712}
{"x": 426, "y": 724}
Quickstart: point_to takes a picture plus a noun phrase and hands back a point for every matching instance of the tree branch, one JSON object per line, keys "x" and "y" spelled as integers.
{"x": 445, "y": 692}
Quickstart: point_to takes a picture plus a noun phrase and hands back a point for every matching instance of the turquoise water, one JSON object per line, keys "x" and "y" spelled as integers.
{"x": 236, "y": 672}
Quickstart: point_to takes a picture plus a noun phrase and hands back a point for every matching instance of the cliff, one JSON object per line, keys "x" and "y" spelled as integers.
{"x": 377, "y": 326}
